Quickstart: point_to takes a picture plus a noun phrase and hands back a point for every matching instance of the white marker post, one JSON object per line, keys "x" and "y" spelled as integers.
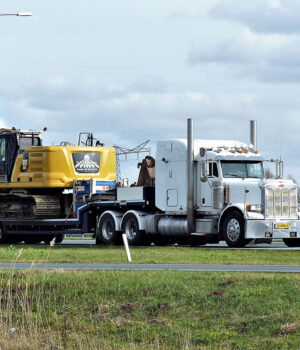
{"x": 125, "y": 241}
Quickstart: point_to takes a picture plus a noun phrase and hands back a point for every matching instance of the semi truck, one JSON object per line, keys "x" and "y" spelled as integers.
{"x": 194, "y": 191}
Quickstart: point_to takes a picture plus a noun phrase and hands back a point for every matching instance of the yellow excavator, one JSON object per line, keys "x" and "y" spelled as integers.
{"x": 35, "y": 179}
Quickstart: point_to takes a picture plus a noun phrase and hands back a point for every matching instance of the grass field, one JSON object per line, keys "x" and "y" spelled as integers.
{"x": 149, "y": 310}
{"x": 179, "y": 255}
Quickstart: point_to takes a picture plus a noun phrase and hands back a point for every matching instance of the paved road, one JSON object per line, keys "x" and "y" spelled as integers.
{"x": 155, "y": 267}
{"x": 221, "y": 245}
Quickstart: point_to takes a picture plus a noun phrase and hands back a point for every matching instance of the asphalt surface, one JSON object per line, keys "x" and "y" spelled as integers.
{"x": 274, "y": 246}
{"x": 157, "y": 267}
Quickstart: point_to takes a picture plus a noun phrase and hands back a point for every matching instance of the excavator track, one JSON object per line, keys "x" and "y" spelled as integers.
{"x": 46, "y": 206}
{"x": 25, "y": 206}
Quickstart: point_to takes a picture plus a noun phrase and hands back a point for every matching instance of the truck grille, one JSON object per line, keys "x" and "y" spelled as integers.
{"x": 281, "y": 202}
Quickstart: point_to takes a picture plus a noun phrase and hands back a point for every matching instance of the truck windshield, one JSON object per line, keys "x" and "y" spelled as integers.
{"x": 242, "y": 169}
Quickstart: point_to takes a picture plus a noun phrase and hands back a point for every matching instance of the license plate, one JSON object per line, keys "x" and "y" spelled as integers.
{"x": 284, "y": 226}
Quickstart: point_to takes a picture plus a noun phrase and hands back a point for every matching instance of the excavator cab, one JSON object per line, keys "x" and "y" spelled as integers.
{"x": 12, "y": 143}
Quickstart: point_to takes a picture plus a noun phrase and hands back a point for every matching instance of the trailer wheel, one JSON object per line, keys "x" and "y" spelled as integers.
{"x": 48, "y": 239}
{"x": 3, "y": 236}
{"x": 131, "y": 228}
{"x": 106, "y": 230}
{"x": 59, "y": 238}
{"x": 14, "y": 239}
{"x": 234, "y": 230}
{"x": 32, "y": 240}
{"x": 292, "y": 242}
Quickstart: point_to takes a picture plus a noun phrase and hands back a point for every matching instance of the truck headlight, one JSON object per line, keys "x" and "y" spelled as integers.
{"x": 254, "y": 207}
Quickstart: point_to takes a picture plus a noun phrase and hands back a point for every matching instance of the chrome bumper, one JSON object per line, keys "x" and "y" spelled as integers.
{"x": 267, "y": 229}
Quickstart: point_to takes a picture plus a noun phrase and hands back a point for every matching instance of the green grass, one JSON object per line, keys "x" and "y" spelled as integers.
{"x": 155, "y": 255}
{"x": 149, "y": 310}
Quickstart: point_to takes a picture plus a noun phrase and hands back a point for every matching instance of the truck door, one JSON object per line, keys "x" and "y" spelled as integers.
{"x": 206, "y": 191}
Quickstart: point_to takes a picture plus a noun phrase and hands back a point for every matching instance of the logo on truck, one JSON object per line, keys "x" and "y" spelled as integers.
{"x": 86, "y": 163}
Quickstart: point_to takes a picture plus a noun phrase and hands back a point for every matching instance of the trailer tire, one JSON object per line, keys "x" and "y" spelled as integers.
{"x": 3, "y": 236}
{"x": 106, "y": 230}
{"x": 292, "y": 242}
{"x": 59, "y": 238}
{"x": 14, "y": 239}
{"x": 234, "y": 230}
{"x": 130, "y": 227}
{"x": 32, "y": 240}
{"x": 47, "y": 239}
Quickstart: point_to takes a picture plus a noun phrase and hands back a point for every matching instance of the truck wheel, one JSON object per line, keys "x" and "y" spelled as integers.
{"x": 130, "y": 227}
{"x": 234, "y": 230}
{"x": 292, "y": 242}
{"x": 106, "y": 230}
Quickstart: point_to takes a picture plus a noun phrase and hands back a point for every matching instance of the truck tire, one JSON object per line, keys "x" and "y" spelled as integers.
{"x": 234, "y": 230}
{"x": 130, "y": 227}
{"x": 106, "y": 230}
{"x": 292, "y": 242}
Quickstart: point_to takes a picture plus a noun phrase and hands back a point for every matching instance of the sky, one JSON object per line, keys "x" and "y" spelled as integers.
{"x": 130, "y": 71}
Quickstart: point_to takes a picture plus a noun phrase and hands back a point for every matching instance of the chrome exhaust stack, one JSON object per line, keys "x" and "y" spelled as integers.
{"x": 190, "y": 176}
{"x": 253, "y": 134}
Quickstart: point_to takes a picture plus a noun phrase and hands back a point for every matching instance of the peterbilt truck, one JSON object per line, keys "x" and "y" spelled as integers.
{"x": 194, "y": 191}
{"x": 207, "y": 191}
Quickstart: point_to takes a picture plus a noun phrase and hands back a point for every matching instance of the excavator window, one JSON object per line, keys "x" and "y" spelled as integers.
{"x": 2, "y": 150}
{"x": 28, "y": 142}
{"x": 8, "y": 153}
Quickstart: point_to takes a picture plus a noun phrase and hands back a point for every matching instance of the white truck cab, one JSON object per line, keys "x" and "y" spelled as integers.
{"x": 232, "y": 197}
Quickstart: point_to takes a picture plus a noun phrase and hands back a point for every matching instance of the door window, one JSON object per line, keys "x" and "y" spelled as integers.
{"x": 213, "y": 169}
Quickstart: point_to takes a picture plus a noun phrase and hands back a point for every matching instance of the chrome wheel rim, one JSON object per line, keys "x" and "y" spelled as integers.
{"x": 233, "y": 229}
{"x": 107, "y": 230}
{"x": 131, "y": 229}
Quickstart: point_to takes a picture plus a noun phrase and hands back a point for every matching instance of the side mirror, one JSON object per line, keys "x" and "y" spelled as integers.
{"x": 204, "y": 176}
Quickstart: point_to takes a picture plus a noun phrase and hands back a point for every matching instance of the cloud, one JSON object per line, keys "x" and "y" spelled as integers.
{"x": 268, "y": 57}
{"x": 264, "y": 16}
{"x": 129, "y": 115}
{"x": 120, "y": 113}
